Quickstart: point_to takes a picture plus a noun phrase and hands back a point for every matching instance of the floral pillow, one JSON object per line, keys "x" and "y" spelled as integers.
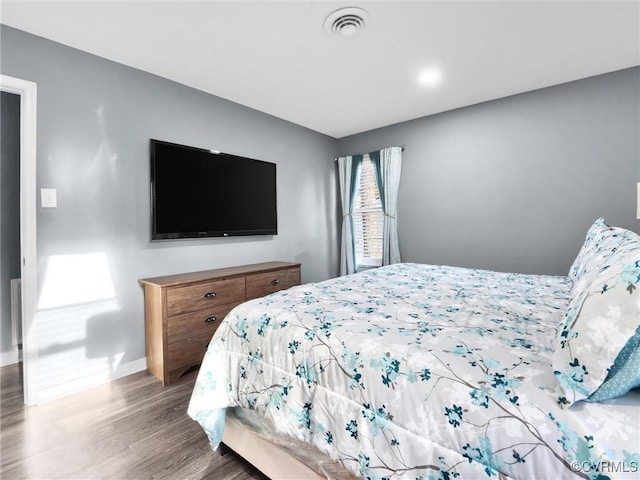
{"x": 604, "y": 252}
{"x": 594, "y": 238}
{"x": 602, "y": 319}
{"x": 623, "y": 375}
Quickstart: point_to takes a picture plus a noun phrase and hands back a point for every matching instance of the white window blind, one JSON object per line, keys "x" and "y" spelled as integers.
{"x": 368, "y": 218}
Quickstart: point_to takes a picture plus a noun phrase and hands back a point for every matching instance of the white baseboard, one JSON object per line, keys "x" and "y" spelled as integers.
{"x": 123, "y": 370}
{"x": 9, "y": 358}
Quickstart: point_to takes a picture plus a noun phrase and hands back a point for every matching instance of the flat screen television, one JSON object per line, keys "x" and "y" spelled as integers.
{"x": 198, "y": 193}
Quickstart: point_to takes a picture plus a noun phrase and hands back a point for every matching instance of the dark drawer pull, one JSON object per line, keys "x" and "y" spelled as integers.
{"x": 209, "y": 294}
{"x": 275, "y": 282}
{"x": 210, "y": 319}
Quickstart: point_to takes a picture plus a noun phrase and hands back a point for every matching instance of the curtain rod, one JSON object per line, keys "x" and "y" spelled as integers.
{"x": 336, "y": 158}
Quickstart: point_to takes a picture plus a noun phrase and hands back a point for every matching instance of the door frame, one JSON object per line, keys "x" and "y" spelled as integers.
{"x": 27, "y": 91}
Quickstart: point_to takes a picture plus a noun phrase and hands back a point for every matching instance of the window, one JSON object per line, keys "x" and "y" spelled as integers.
{"x": 367, "y": 218}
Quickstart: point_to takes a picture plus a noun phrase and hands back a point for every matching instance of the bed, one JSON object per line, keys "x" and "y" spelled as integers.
{"x": 439, "y": 372}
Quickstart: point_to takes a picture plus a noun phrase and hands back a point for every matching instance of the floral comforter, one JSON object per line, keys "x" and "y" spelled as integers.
{"x": 417, "y": 371}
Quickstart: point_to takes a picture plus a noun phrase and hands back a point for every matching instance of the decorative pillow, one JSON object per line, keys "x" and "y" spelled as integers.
{"x": 624, "y": 374}
{"x": 594, "y": 238}
{"x": 602, "y": 253}
{"x": 602, "y": 318}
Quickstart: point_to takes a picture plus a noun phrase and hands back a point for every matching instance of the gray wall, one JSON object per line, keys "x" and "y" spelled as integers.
{"x": 508, "y": 185}
{"x": 514, "y": 184}
{"x": 95, "y": 119}
{"x": 10, "y": 214}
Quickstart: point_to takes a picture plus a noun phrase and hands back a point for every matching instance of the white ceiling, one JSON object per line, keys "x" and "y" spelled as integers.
{"x": 276, "y": 57}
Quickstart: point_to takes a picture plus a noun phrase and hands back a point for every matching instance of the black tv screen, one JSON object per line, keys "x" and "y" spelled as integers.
{"x": 199, "y": 193}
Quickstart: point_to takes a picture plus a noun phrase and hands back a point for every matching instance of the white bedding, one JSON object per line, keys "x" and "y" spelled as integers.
{"x": 416, "y": 371}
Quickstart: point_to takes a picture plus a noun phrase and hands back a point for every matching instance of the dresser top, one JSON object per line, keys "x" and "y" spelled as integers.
{"x": 216, "y": 274}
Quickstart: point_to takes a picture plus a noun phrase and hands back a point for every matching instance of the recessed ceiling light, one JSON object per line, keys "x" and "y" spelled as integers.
{"x": 431, "y": 77}
{"x": 346, "y": 21}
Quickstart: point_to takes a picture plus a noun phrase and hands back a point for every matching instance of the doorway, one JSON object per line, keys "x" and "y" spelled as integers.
{"x": 27, "y": 93}
{"x": 10, "y": 256}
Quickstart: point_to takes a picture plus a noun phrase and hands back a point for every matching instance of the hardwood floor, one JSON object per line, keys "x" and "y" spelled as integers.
{"x": 130, "y": 429}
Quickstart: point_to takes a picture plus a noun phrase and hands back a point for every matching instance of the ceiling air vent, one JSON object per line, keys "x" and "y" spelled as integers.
{"x": 346, "y": 21}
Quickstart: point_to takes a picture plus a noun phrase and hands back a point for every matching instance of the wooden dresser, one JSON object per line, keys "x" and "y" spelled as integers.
{"x": 183, "y": 311}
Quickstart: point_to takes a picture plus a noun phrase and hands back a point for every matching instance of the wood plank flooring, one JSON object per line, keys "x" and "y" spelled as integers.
{"x": 130, "y": 429}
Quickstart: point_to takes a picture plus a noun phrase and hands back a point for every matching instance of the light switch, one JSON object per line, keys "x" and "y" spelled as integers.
{"x": 48, "y": 198}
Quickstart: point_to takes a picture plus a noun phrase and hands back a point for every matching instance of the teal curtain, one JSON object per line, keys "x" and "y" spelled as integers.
{"x": 348, "y": 173}
{"x": 387, "y": 165}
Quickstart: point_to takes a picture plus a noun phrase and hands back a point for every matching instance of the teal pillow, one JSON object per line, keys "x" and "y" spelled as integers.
{"x": 624, "y": 375}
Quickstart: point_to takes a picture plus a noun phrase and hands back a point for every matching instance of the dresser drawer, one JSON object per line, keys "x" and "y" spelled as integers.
{"x": 261, "y": 284}
{"x": 181, "y": 327}
{"x": 199, "y": 296}
{"x": 187, "y": 352}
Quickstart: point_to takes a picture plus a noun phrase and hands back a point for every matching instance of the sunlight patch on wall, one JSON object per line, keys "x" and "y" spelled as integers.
{"x": 79, "y": 322}
{"x": 76, "y": 279}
